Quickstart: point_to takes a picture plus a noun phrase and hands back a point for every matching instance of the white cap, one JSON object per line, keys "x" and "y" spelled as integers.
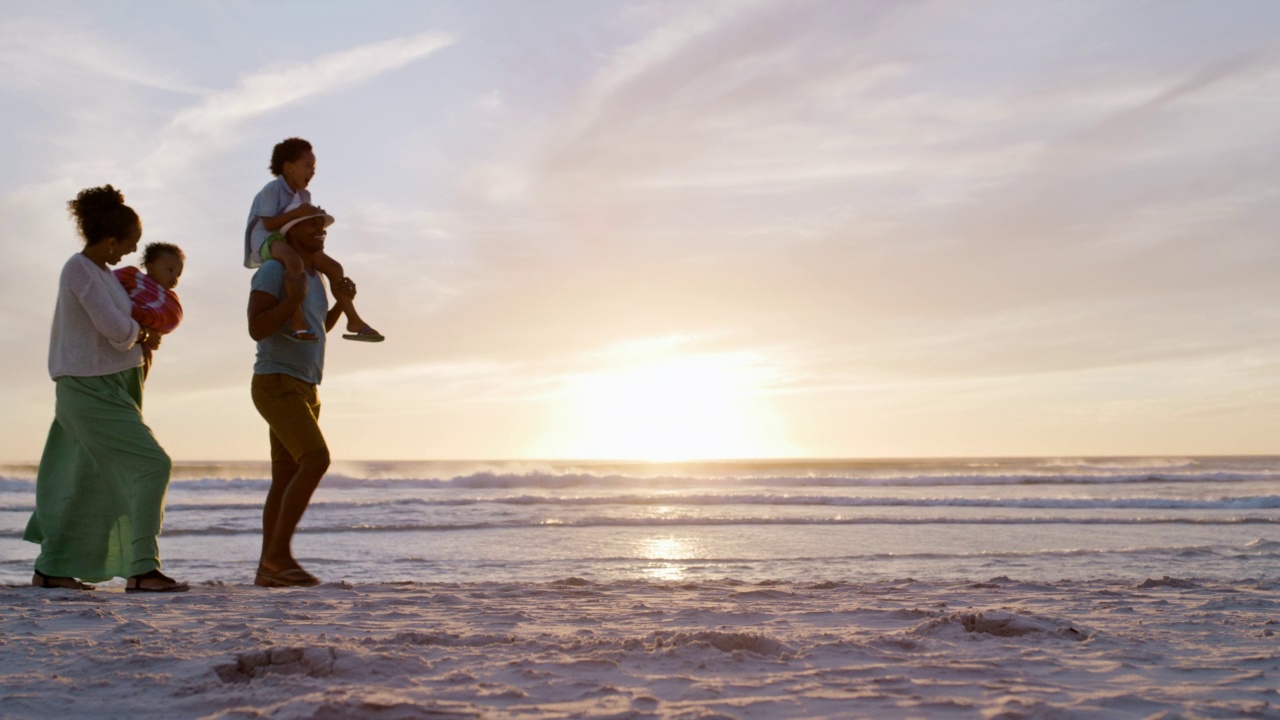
{"x": 328, "y": 219}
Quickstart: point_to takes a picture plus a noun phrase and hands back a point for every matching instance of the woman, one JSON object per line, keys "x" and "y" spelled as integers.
{"x": 102, "y": 479}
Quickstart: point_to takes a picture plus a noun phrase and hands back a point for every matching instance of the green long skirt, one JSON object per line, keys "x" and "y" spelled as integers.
{"x": 101, "y": 484}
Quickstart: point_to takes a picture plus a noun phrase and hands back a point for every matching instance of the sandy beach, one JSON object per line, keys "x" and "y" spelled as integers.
{"x": 1162, "y": 648}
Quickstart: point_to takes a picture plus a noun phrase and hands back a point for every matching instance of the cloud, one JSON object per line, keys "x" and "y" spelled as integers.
{"x": 273, "y": 88}
{"x": 491, "y": 102}
{"x": 629, "y": 65}
{"x": 917, "y": 214}
{"x": 44, "y": 55}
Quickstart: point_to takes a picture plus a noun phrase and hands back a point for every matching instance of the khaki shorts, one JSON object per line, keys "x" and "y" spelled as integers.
{"x": 291, "y": 408}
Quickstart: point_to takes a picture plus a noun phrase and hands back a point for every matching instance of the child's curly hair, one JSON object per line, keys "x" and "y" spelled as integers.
{"x": 155, "y": 250}
{"x": 287, "y": 151}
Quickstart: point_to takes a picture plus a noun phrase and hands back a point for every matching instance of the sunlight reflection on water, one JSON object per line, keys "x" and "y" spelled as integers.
{"x": 665, "y": 550}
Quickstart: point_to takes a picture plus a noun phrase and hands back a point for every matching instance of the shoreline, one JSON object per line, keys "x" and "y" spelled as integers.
{"x": 574, "y": 648}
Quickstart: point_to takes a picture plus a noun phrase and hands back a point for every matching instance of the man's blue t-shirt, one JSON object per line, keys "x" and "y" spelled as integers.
{"x": 279, "y": 354}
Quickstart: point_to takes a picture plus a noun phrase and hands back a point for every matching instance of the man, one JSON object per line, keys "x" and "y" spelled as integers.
{"x": 285, "y": 377}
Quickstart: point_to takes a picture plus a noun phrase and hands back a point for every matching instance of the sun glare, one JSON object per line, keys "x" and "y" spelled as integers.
{"x": 682, "y": 408}
{"x": 665, "y": 554}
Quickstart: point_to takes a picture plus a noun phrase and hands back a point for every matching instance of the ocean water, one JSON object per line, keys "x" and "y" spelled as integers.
{"x": 1040, "y": 519}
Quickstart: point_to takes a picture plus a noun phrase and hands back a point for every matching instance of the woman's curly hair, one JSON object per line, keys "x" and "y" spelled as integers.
{"x": 100, "y": 213}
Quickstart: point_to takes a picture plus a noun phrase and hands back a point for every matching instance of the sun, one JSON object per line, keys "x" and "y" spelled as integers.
{"x": 688, "y": 407}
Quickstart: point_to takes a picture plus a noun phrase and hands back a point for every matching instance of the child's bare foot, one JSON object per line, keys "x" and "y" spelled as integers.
{"x": 298, "y": 328}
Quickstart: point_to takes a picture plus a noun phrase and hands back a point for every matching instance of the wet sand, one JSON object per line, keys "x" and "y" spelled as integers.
{"x": 997, "y": 649}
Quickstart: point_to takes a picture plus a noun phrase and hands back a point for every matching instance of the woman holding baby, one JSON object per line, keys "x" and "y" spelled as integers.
{"x": 103, "y": 477}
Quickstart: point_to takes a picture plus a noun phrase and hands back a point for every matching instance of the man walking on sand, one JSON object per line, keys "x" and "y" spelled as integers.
{"x": 285, "y": 377}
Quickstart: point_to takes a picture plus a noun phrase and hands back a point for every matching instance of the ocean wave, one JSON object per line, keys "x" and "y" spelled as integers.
{"x": 1228, "y": 551}
{"x": 552, "y": 481}
{"x": 1255, "y": 502}
{"x": 332, "y": 527}
{"x": 12, "y": 484}
{"x": 23, "y": 484}
{"x": 1258, "y": 502}
{"x": 1252, "y": 502}
{"x": 507, "y": 481}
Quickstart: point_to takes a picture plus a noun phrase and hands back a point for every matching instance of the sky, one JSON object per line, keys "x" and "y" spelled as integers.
{"x": 683, "y": 229}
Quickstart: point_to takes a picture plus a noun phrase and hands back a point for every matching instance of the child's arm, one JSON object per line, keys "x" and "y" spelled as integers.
{"x": 273, "y": 224}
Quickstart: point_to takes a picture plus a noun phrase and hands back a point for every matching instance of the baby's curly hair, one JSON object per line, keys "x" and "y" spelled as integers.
{"x": 155, "y": 250}
{"x": 287, "y": 151}
{"x": 100, "y": 213}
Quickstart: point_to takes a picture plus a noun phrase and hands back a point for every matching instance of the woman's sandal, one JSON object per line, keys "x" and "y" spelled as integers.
{"x": 41, "y": 580}
{"x": 167, "y": 584}
{"x": 292, "y": 577}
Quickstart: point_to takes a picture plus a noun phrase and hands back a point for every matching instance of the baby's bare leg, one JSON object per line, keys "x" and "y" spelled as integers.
{"x": 332, "y": 269}
{"x": 293, "y": 267}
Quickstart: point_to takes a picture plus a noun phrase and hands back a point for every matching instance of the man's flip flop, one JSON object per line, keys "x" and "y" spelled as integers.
{"x": 293, "y": 577}
{"x": 166, "y": 583}
{"x": 364, "y": 334}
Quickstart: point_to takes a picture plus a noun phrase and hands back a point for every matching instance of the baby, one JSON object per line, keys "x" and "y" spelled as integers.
{"x": 155, "y": 304}
{"x": 278, "y": 203}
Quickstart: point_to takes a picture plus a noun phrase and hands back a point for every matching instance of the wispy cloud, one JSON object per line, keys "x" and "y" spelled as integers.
{"x": 51, "y": 55}
{"x": 270, "y": 89}
{"x": 656, "y": 50}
